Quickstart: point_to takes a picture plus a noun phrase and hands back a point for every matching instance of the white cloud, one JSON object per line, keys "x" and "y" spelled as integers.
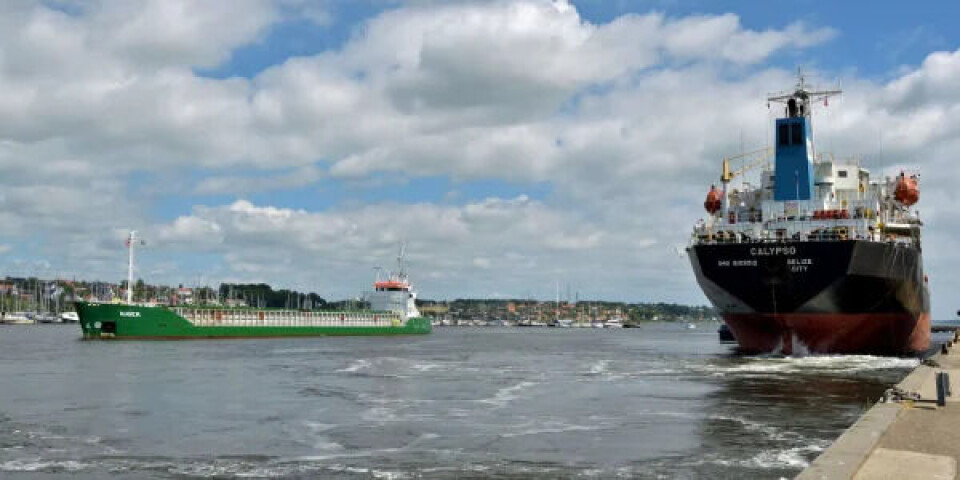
{"x": 261, "y": 241}
{"x": 933, "y": 82}
{"x": 406, "y": 93}
{"x": 722, "y": 37}
{"x": 191, "y": 232}
{"x": 249, "y": 184}
{"x": 162, "y": 33}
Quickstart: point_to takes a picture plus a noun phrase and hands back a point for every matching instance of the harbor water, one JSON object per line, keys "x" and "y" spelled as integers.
{"x": 659, "y": 401}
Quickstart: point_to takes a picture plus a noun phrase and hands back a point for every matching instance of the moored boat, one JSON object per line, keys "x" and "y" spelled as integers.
{"x": 615, "y": 322}
{"x": 17, "y": 318}
{"x": 725, "y": 335}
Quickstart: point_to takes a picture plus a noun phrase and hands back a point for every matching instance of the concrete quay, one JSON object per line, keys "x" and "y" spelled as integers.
{"x": 909, "y": 437}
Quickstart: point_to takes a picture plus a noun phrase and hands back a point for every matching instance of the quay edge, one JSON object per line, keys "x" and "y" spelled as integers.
{"x": 902, "y": 439}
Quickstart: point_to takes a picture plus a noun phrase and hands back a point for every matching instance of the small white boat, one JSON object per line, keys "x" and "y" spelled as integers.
{"x": 17, "y": 318}
{"x": 69, "y": 317}
{"x": 613, "y": 323}
{"x": 46, "y": 318}
{"x": 691, "y": 326}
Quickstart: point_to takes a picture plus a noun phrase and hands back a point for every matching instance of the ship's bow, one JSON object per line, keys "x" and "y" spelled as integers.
{"x": 818, "y": 297}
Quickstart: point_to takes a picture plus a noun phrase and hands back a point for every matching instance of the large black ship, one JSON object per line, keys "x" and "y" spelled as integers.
{"x": 818, "y": 257}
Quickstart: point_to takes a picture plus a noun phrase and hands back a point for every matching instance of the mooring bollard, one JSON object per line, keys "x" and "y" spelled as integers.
{"x": 944, "y": 349}
{"x": 943, "y": 388}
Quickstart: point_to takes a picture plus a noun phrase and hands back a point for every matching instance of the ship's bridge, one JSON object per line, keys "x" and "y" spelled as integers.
{"x": 794, "y": 162}
{"x": 394, "y": 294}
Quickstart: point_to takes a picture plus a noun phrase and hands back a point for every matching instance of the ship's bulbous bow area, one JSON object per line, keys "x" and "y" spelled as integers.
{"x": 799, "y": 333}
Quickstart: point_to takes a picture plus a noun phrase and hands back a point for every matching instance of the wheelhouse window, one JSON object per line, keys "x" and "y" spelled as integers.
{"x": 797, "y": 130}
{"x": 783, "y": 134}
{"x": 842, "y": 173}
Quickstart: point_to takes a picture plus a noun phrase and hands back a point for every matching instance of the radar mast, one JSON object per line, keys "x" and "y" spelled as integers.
{"x": 799, "y": 100}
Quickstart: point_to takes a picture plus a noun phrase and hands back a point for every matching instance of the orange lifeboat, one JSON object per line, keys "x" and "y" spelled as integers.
{"x": 714, "y": 200}
{"x": 391, "y": 285}
{"x": 907, "y": 191}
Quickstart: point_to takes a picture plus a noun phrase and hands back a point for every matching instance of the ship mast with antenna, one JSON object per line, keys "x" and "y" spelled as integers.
{"x": 131, "y": 244}
{"x": 801, "y": 97}
{"x": 402, "y": 273}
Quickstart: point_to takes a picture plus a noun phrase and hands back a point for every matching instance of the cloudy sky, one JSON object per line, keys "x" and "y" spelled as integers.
{"x": 512, "y": 144}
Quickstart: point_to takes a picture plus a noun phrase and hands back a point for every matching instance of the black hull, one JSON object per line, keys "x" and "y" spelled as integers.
{"x": 852, "y": 296}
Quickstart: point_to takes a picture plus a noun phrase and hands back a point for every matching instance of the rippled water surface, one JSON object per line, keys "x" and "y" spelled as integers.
{"x": 653, "y": 402}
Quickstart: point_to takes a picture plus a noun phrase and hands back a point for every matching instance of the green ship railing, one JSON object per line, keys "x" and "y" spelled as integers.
{"x": 235, "y": 317}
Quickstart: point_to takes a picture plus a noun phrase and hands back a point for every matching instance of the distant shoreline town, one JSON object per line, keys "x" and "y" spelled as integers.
{"x": 526, "y": 312}
{"x": 51, "y": 298}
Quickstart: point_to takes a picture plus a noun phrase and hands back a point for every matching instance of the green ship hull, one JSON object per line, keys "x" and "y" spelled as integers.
{"x": 125, "y": 321}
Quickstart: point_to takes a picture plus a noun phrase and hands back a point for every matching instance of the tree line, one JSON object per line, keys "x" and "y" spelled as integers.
{"x": 264, "y": 296}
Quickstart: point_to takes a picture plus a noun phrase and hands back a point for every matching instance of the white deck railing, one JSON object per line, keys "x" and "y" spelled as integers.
{"x": 212, "y": 317}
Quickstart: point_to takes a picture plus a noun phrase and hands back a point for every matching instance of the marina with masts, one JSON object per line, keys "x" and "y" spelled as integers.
{"x": 27, "y": 301}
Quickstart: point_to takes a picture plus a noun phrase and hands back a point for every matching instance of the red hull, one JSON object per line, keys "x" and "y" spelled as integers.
{"x": 866, "y": 333}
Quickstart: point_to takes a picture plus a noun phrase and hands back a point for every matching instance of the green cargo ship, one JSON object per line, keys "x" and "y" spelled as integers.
{"x": 393, "y": 312}
{"x": 120, "y": 320}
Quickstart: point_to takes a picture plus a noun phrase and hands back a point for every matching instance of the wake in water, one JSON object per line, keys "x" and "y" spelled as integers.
{"x": 505, "y": 395}
{"x": 644, "y": 403}
{"x": 809, "y": 364}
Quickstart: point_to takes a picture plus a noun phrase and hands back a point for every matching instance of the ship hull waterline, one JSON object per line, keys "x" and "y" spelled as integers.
{"x": 830, "y": 297}
{"x": 798, "y": 333}
{"x": 134, "y": 322}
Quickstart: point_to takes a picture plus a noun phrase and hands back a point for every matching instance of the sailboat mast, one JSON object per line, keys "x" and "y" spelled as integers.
{"x": 556, "y": 314}
{"x": 131, "y": 242}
